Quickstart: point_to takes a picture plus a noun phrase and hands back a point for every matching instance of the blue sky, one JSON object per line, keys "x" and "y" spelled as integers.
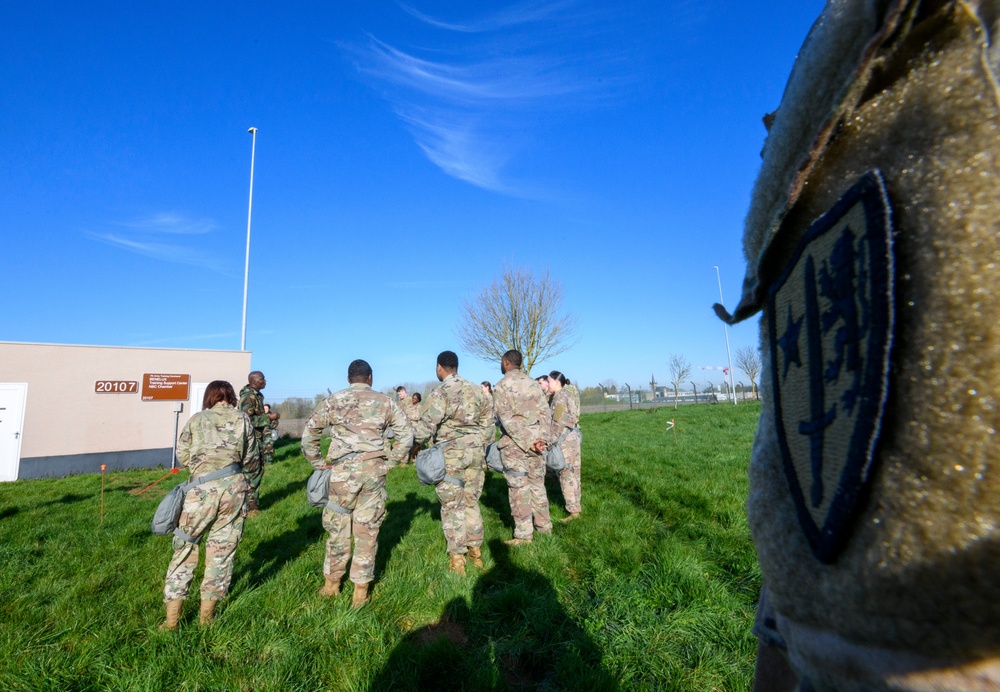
{"x": 405, "y": 152}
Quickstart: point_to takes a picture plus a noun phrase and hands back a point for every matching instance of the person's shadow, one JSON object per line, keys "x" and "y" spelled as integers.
{"x": 496, "y": 496}
{"x": 515, "y": 635}
{"x": 399, "y": 515}
{"x": 271, "y": 555}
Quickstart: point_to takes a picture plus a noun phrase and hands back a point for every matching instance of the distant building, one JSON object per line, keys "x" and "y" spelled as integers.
{"x": 68, "y": 409}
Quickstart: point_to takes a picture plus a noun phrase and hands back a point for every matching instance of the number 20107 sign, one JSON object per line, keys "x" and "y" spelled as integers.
{"x": 116, "y": 387}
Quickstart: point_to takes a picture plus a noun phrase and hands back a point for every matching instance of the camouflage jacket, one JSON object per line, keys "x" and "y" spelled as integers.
{"x": 252, "y": 404}
{"x": 522, "y": 410}
{"x": 358, "y": 418}
{"x": 410, "y": 409}
{"x": 456, "y": 410}
{"x": 215, "y": 438}
{"x": 565, "y": 411}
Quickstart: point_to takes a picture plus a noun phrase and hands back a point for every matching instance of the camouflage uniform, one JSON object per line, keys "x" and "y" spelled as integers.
{"x": 565, "y": 416}
{"x": 211, "y": 440}
{"x": 252, "y": 404}
{"x": 267, "y": 447}
{"x": 411, "y": 410}
{"x": 872, "y": 241}
{"x": 461, "y": 416}
{"x": 523, "y": 412}
{"x": 358, "y": 418}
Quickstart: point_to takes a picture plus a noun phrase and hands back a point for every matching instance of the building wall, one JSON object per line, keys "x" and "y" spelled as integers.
{"x": 70, "y": 428}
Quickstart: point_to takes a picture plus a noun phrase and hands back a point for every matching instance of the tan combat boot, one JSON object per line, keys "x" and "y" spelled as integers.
{"x": 457, "y": 564}
{"x": 360, "y": 595}
{"x": 570, "y": 517}
{"x": 207, "y": 613}
{"x": 517, "y": 541}
{"x": 476, "y": 556}
{"x": 173, "y": 615}
{"x": 332, "y": 585}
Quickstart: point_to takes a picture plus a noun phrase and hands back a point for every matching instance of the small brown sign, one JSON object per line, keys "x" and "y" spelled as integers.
{"x": 157, "y": 387}
{"x": 116, "y": 386}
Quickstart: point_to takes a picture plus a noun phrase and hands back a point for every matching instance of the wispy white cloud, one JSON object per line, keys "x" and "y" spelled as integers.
{"x": 459, "y": 147}
{"x": 173, "y": 224}
{"x": 518, "y": 14}
{"x": 515, "y": 80}
{"x": 157, "y": 237}
{"x": 471, "y": 96}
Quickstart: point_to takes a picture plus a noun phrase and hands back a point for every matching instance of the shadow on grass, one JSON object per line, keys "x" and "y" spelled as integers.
{"x": 9, "y": 512}
{"x": 273, "y": 497}
{"x": 68, "y": 498}
{"x": 271, "y": 555}
{"x": 497, "y": 497}
{"x": 399, "y": 515}
{"x": 515, "y": 635}
{"x": 286, "y": 448}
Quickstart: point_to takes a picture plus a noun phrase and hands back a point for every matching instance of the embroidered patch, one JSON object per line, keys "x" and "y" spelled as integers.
{"x": 830, "y": 322}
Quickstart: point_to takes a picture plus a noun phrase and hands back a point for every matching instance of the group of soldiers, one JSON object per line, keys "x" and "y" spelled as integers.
{"x": 461, "y": 418}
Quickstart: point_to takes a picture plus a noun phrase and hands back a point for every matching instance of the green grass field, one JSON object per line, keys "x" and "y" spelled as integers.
{"x": 653, "y": 588}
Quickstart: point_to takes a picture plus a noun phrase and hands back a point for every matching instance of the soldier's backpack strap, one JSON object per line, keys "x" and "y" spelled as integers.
{"x": 230, "y": 470}
{"x": 224, "y": 472}
{"x": 457, "y": 481}
{"x": 333, "y": 506}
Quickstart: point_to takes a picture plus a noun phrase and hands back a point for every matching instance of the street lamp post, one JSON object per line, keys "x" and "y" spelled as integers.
{"x": 246, "y": 268}
{"x": 726, "y": 328}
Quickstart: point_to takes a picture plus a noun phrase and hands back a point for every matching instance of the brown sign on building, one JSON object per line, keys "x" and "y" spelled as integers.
{"x": 157, "y": 387}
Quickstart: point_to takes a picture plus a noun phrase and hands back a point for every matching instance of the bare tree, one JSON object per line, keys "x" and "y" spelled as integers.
{"x": 680, "y": 370}
{"x": 517, "y": 310}
{"x": 748, "y": 360}
{"x": 610, "y": 385}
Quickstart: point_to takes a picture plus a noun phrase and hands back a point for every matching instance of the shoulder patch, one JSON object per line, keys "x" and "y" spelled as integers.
{"x": 830, "y": 324}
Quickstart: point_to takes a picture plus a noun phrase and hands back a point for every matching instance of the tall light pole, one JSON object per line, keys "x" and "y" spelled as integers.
{"x": 729, "y": 355}
{"x": 246, "y": 268}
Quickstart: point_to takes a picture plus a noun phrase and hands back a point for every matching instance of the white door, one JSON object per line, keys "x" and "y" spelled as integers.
{"x": 197, "y": 396}
{"x": 12, "y": 398}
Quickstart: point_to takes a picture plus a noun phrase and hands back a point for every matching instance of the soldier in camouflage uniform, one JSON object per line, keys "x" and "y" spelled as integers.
{"x": 406, "y": 403}
{"x": 267, "y": 449}
{"x": 217, "y": 438}
{"x": 412, "y": 414}
{"x": 460, "y": 418}
{"x": 565, "y": 406}
{"x": 252, "y": 404}
{"x": 523, "y": 412}
{"x": 358, "y": 418}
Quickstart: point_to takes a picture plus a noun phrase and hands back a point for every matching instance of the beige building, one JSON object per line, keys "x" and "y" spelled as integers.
{"x": 68, "y": 409}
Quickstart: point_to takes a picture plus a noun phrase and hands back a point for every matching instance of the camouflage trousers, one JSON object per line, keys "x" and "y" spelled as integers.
{"x": 267, "y": 449}
{"x": 215, "y": 507}
{"x": 569, "y": 477}
{"x": 529, "y": 505}
{"x": 254, "y": 473}
{"x": 461, "y": 517}
{"x": 363, "y": 494}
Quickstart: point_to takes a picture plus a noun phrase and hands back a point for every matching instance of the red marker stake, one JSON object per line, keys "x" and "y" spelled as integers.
{"x": 103, "y": 467}
{"x": 155, "y": 482}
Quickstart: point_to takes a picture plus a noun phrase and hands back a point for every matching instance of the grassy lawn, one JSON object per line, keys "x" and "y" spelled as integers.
{"x": 653, "y": 588}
